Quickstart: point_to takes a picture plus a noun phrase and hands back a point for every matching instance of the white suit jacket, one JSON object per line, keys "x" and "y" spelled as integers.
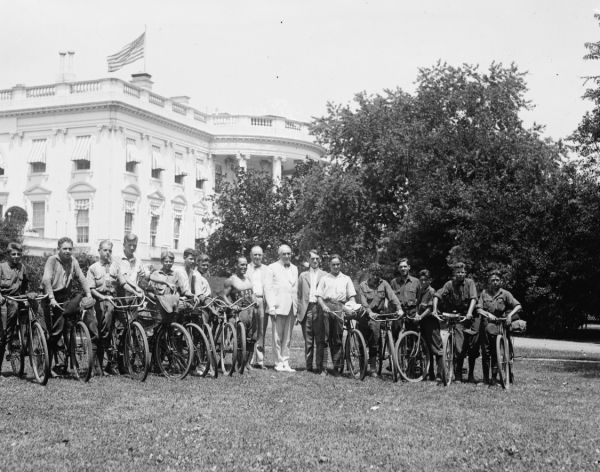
{"x": 282, "y": 290}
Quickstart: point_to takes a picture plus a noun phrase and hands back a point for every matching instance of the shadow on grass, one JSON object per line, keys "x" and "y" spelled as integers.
{"x": 586, "y": 370}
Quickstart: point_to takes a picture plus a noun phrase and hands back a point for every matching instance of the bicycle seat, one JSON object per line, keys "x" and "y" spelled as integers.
{"x": 87, "y": 303}
{"x": 168, "y": 302}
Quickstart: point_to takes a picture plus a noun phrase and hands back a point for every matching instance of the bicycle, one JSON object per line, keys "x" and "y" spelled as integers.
{"x": 243, "y": 341}
{"x": 129, "y": 345}
{"x": 226, "y": 342}
{"x": 413, "y": 355}
{"x": 504, "y": 353}
{"x": 204, "y": 361}
{"x": 354, "y": 347}
{"x": 76, "y": 352}
{"x": 387, "y": 349}
{"x": 448, "y": 347}
{"x": 28, "y": 340}
{"x": 172, "y": 345}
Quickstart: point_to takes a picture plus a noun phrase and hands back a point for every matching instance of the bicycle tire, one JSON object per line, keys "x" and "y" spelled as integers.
{"x": 393, "y": 357}
{"x": 16, "y": 353}
{"x": 447, "y": 370}
{"x": 82, "y": 356}
{"x": 502, "y": 361}
{"x": 38, "y": 354}
{"x": 242, "y": 355}
{"x": 202, "y": 352}
{"x": 228, "y": 352}
{"x": 173, "y": 351}
{"x": 413, "y": 356}
{"x": 356, "y": 354}
{"x": 215, "y": 360}
{"x": 136, "y": 353}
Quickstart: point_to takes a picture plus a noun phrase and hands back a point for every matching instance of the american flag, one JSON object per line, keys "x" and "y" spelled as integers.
{"x": 130, "y": 53}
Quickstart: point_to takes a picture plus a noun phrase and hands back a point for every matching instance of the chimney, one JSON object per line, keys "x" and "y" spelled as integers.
{"x": 183, "y": 99}
{"x": 61, "y": 66}
{"x": 142, "y": 80}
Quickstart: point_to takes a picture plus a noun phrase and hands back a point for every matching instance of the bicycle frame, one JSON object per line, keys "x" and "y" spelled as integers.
{"x": 448, "y": 354}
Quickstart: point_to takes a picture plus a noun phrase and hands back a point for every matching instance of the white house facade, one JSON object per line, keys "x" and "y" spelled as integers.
{"x": 94, "y": 160}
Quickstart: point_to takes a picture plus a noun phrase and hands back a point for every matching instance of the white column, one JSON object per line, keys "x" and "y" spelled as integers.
{"x": 277, "y": 169}
{"x": 243, "y": 160}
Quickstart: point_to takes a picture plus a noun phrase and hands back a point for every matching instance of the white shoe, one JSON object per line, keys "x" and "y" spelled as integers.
{"x": 279, "y": 367}
{"x": 287, "y": 368}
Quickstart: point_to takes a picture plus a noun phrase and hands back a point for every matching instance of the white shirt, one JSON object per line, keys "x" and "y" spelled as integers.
{"x": 339, "y": 288}
{"x": 259, "y": 277}
{"x": 312, "y": 280}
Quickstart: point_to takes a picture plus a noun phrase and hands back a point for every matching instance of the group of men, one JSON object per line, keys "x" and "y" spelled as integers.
{"x": 275, "y": 292}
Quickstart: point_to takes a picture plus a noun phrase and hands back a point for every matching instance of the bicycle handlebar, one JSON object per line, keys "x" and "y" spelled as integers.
{"x": 118, "y": 302}
{"x": 452, "y": 317}
{"x": 383, "y": 317}
{"x": 24, "y": 298}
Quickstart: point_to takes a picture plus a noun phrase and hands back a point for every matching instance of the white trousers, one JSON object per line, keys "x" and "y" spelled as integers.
{"x": 282, "y": 326}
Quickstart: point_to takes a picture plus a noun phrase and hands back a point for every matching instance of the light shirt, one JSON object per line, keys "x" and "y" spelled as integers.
{"x": 312, "y": 280}
{"x": 339, "y": 288}
{"x": 132, "y": 269}
{"x": 13, "y": 280}
{"x": 59, "y": 276}
{"x": 259, "y": 275}
{"x": 105, "y": 278}
{"x": 168, "y": 283}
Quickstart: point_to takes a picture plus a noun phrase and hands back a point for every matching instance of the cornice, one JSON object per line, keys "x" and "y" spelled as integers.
{"x": 118, "y": 106}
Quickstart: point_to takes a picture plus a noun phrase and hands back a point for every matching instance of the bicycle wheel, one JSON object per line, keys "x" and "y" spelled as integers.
{"x": 242, "y": 355}
{"x": 356, "y": 354}
{"x": 228, "y": 352}
{"x": 137, "y": 352}
{"x": 38, "y": 354}
{"x": 413, "y": 356}
{"x": 447, "y": 370}
{"x": 82, "y": 356}
{"x": 202, "y": 352}
{"x": 391, "y": 348}
{"x": 174, "y": 351}
{"x": 503, "y": 362}
{"x": 214, "y": 371}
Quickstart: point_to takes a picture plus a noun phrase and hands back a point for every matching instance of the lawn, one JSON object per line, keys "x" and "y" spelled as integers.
{"x": 269, "y": 421}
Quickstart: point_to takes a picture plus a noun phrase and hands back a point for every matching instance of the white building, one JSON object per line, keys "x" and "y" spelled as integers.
{"x": 96, "y": 159}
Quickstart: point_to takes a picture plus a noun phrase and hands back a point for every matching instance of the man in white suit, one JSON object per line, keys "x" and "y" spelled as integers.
{"x": 309, "y": 315}
{"x": 282, "y": 300}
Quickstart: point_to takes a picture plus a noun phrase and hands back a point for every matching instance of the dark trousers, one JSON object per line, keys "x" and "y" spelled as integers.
{"x": 333, "y": 334}
{"x": 312, "y": 332}
{"x": 105, "y": 312}
{"x": 430, "y": 328}
{"x": 8, "y": 324}
{"x": 371, "y": 331}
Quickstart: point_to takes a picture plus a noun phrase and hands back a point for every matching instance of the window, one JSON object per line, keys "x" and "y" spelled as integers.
{"x": 199, "y": 176}
{"x": 157, "y": 163}
{"x": 81, "y": 152}
{"x": 37, "y": 156}
{"x": 176, "y": 230}
{"x": 179, "y": 172}
{"x": 218, "y": 177}
{"x": 153, "y": 230}
{"x": 82, "y": 220}
{"x": 1, "y": 170}
{"x": 38, "y": 217}
{"x": 129, "y": 211}
{"x": 131, "y": 156}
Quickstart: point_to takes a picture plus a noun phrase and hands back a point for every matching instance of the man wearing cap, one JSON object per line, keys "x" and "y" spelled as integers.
{"x": 309, "y": 314}
{"x": 59, "y": 273}
{"x": 375, "y": 295}
{"x": 282, "y": 300}
{"x": 259, "y": 274}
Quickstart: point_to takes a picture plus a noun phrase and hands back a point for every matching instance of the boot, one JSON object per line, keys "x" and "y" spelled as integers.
{"x": 471, "y": 377}
{"x": 458, "y": 369}
{"x": 373, "y": 366}
{"x": 485, "y": 365}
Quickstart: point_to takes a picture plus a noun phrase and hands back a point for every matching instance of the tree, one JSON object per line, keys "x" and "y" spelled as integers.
{"x": 251, "y": 211}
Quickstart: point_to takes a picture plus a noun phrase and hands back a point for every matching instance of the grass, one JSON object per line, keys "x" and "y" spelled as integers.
{"x": 268, "y": 421}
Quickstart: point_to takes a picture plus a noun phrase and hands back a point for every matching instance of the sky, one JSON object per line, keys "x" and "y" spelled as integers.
{"x": 290, "y": 57}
